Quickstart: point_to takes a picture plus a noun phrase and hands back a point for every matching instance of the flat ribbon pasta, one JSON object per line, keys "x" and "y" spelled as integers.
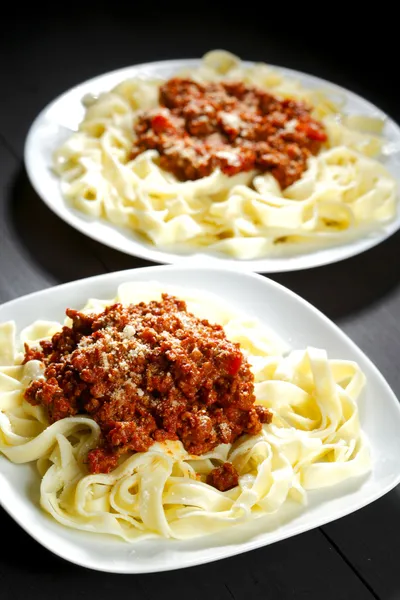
{"x": 313, "y": 441}
{"x": 345, "y": 192}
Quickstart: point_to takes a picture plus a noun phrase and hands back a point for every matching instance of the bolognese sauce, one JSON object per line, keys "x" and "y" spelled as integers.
{"x": 231, "y": 126}
{"x": 147, "y": 373}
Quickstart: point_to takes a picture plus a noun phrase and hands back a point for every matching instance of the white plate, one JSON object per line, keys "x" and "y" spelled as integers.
{"x": 298, "y": 323}
{"x": 54, "y": 124}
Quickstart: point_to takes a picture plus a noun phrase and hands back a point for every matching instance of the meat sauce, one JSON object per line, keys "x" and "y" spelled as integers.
{"x": 224, "y": 477}
{"x": 148, "y": 373}
{"x": 230, "y": 126}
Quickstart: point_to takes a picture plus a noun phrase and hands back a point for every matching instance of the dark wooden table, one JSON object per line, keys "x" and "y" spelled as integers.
{"x": 357, "y": 557}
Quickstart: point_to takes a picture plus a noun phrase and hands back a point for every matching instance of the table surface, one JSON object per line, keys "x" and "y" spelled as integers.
{"x": 354, "y": 557}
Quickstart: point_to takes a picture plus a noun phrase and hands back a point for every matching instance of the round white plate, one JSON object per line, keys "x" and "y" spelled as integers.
{"x": 298, "y": 324}
{"x": 57, "y": 121}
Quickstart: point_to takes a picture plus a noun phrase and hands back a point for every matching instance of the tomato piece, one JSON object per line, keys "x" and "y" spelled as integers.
{"x": 235, "y": 364}
{"x": 160, "y": 123}
{"x": 316, "y": 134}
{"x": 312, "y": 131}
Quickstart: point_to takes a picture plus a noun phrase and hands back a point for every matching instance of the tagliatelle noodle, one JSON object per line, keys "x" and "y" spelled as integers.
{"x": 345, "y": 192}
{"x": 313, "y": 441}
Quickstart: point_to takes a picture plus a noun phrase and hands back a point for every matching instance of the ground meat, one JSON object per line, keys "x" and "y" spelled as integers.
{"x": 145, "y": 373}
{"x": 224, "y": 477}
{"x": 228, "y": 125}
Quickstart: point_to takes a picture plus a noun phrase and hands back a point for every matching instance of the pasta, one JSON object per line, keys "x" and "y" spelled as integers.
{"x": 344, "y": 192}
{"x": 313, "y": 441}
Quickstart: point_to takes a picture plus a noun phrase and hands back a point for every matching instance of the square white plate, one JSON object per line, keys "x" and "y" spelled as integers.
{"x": 299, "y": 324}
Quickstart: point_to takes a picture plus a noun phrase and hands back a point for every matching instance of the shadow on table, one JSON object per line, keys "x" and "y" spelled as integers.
{"x": 247, "y": 570}
{"x": 337, "y": 290}
{"x": 350, "y": 285}
{"x": 54, "y": 246}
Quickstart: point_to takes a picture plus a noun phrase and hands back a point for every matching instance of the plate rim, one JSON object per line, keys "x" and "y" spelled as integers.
{"x": 145, "y": 251}
{"x": 249, "y": 545}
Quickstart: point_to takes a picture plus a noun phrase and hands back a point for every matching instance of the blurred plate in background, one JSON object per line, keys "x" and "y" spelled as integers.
{"x": 60, "y": 118}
